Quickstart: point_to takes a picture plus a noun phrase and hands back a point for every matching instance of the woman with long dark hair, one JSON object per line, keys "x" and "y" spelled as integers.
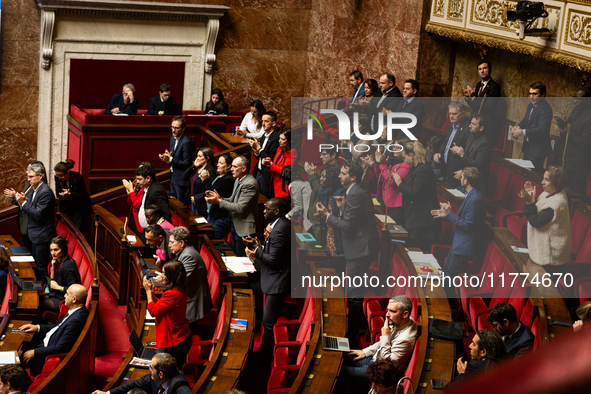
{"x": 217, "y": 105}
{"x": 252, "y": 124}
{"x": 71, "y": 190}
{"x": 223, "y": 183}
{"x": 282, "y": 158}
{"x": 173, "y": 335}
{"x": 202, "y": 164}
{"x": 63, "y": 273}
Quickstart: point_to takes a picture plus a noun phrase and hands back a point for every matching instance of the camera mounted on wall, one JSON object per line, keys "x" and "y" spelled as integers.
{"x": 526, "y": 13}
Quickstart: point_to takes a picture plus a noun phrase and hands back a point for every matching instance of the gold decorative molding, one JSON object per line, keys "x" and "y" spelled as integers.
{"x": 578, "y": 25}
{"x": 455, "y": 10}
{"x": 579, "y": 62}
{"x": 438, "y": 7}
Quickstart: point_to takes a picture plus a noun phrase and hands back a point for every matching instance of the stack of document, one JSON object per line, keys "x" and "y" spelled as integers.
{"x": 456, "y": 193}
{"x": 425, "y": 264}
{"x": 522, "y": 163}
{"x": 22, "y": 259}
{"x": 238, "y": 265}
{"x": 238, "y": 324}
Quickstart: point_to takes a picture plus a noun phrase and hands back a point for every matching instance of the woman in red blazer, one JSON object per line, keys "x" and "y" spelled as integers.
{"x": 282, "y": 158}
{"x": 173, "y": 335}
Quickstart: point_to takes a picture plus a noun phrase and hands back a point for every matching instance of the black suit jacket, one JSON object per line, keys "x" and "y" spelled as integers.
{"x": 224, "y": 186}
{"x": 200, "y": 206}
{"x": 274, "y": 261}
{"x": 79, "y": 199}
{"x": 269, "y": 151}
{"x": 182, "y": 157}
{"x": 522, "y": 342}
{"x": 537, "y": 130}
{"x": 415, "y": 107}
{"x": 480, "y": 103}
{"x": 66, "y": 335}
{"x": 391, "y": 102}
{"x": 156, "y": 104}
{"x": 117, "y": 102}
{"x": 419, "y": 197}
{"x": 579, "y": 142}
{"x": 41, "y": 212}
{"x": 357, "y": 224}
{"x": 178, "y": 385}
{"x": 157, "y": 195}
{"x": 479, "y": 156}
{"x": 454, "y": 162}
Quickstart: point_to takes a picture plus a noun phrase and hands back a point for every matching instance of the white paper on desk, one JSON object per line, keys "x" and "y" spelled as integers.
{"x": 140, "y": 362}
{"x": 523, "y": 163}
{"x": 238, "y": 265}
{"x": 131, "y": 239}
{"x": 520, "y": 250}
{"x": 121, "y": 114}
{"x": 423, "y": 258}
{"x": 456, "y": 193}
{"x": 382, "y": 218}
{"x": 21, "y": 259}
{"x": 201, "y": 220}
{"x": 7, "y": 358}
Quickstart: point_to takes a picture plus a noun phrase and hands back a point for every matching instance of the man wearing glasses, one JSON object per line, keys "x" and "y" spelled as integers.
{"x": 535, "y": 128}
{"x": 164, "y": 377}
{"x": 179, "y": 157}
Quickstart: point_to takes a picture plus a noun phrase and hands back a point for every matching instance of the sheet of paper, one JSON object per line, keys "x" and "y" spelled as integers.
{"x": 522, "y": 163}
{"x": 382, "y": 218}
{"x": 131, "y": 239}
{"x": 201, "y": 220}
{"x": 21, "y": 259}
{"x": 7, "y": 358}
{"x": 238, "y": 265}
{"x": 456, "y": 193}
{"x": 520, "y": 250}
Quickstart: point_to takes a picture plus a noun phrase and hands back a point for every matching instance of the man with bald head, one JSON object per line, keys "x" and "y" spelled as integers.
{"x": 575, "y": 133}
{"x": 60, "y": 337}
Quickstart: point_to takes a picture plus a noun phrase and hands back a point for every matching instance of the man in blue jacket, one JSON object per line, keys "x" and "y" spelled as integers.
{"x": 179, "y": 157}
{"x": 124, "y": 103}
{"x": 469, "y": 223}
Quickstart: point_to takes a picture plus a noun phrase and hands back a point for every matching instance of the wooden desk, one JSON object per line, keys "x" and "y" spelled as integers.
{"x": 233, "y": 139}
{"x": 25, "y": 303}
{"x": 13, "y": 340}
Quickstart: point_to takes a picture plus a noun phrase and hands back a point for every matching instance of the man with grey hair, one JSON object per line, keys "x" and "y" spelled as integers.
{"x": 457, "y": 135}
{"x": 124, "y": 103}
{"x": 199, "y": 296}
{"x": 40, "y": 209}
{"x": 243, "y": 204}
{"x": 396, "y": 343}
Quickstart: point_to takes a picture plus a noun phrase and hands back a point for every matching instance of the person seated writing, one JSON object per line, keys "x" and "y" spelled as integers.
{"x": 60, "y": 337}
{"x": 124, "y": 103}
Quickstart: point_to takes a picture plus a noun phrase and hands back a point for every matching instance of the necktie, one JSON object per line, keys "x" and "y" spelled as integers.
{"x": 533, "y": 108}
{"x": 454, "y": 130}
{"x": 481, "y": 89}
{"x": 161, "y": 390}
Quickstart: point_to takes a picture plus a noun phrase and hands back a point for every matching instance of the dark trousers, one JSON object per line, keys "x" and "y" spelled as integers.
{"x": 237, "y": 244}
{"x": 356, "y": 319}
{"x": 273, "y": 305}
{"x": 181, "y": 192}
{"x": 221, "y": 227}
{"x": 180, "y": 351}
{"x": 42, "y": 257}
{"x": 455, "y": 265}
{"x": 263, "y": 186}
{"x": 577, "y": 182}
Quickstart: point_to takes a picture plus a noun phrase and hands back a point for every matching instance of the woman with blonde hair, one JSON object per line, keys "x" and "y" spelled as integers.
{"x": 419, "y": 197}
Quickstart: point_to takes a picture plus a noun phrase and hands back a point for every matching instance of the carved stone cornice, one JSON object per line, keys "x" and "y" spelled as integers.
{"x": 132, "y": 10}
{"x": 527, "y": 48}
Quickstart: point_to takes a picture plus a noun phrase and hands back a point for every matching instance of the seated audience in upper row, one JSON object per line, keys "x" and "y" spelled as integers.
{"x": 159, "y": 102}
{"x": 124, "y": 103}
{"x": 217, "y": 105}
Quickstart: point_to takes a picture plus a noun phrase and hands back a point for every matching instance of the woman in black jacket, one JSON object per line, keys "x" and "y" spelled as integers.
{"x": 203, "y": 163}
{"x": 223, "y": 183}
{"x": 70, "y": 188}
{"x": 217, "y": 105}
{"x": 419, "y": 197}
{"x": 64, "y": 273}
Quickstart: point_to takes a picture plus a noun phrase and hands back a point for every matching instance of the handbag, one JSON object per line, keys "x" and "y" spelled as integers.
{"x": 447, "y": 330}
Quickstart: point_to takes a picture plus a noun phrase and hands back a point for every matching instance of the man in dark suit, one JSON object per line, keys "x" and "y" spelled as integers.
{"x": 60, "y": 337}
{"x": 179, "y": 157}
{"x": 411, "y": 104}
{"x": 478, "y": 152}
{"x": 157, "y": 238}
{"x": 518, "y": 338}
{"x": 388, "y": 102}
{"x": 243, "y": 203}
{"x": 359, "y": 235}
{"x": 157, "y": 103}
{"x": 124, "y": 103}
{"x": 40, "y": 210}
{"x": 469, "y": 224}
{"x": 535, "y": 127}
{"x": 486, "y": 87}
{"x": 575, "y": 133}
{"x": 356, "y": 82}
{"x": 457, "y": 134}
{"x": 266, "y": 148}
{"x": 273, "y": 262}
{"x": 198, "y": 293}
{"x": 164, "y": 377}
{"x": 154, "y": 193}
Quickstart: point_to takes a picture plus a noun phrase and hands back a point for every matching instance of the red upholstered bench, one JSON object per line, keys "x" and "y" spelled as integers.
{"x": 7, "y": 295}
